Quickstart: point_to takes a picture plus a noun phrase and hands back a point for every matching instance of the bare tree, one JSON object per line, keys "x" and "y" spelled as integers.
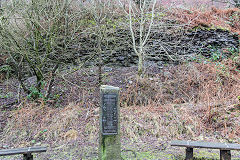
{"x": 141, "y": 16}
{"x": 101, "y": 13}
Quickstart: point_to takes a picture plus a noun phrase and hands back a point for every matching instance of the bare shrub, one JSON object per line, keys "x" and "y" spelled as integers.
{"x": 38, "y": 36}
{"x": 187, "y": 83}
{"x": 140, "y": 15}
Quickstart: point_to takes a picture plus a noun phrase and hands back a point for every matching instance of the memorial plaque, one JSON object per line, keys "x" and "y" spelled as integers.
{"x": 109, "y": 133}
{"x": 109, "y": 114}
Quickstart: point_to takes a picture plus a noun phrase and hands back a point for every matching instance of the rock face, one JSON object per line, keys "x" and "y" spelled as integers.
{"x": 179, "y": 47}
{"x": 208, "y": 40}
{"x": 237, "y": 3}
{"x": 162, "y": 48}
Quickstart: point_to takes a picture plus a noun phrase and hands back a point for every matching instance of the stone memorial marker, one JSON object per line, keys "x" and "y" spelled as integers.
{"x": 109, "y": 114}
{"x": 109, "y": 137}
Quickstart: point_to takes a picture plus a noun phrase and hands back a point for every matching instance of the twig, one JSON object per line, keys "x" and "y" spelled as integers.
{"x": 64, "y": 78}
{"x": 53, "y": 74}
{"x": 18, "y": 93}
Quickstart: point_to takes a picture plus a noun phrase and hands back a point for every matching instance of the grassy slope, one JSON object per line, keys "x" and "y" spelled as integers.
{"x": 190, "y": 101}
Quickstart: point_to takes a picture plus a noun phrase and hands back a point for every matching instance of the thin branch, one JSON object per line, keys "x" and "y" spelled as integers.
{"x": 123, "y": 6}
{"x": 131, "y": 28}
{"x": 19, "y": 74}
{"x": 151, "y": 23}
{"x": 53, "y": 75}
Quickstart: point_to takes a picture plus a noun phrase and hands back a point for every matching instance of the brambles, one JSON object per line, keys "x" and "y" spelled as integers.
{"x": 213, "y": 18}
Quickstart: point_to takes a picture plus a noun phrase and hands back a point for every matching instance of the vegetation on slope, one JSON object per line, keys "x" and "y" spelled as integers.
{"x": 196, "y": 100}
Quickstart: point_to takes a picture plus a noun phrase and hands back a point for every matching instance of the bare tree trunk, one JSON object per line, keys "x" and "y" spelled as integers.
{"x": 140, "y": 64}
{"x": 53, "y": 75}
{"x": 99, "y": 61}
{"x": 145, "y": 26}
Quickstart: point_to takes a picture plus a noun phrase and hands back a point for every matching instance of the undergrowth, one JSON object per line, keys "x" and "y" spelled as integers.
{"x": 197, "y": 101}
{"x": 227, "y": 19}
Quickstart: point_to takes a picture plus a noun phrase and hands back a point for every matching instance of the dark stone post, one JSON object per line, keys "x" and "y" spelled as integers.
{"x": 109, "y": 137}
{"x": 189, "y": 153}
{"x": 225, "y": 155}
{"x": 27, "y": 156}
